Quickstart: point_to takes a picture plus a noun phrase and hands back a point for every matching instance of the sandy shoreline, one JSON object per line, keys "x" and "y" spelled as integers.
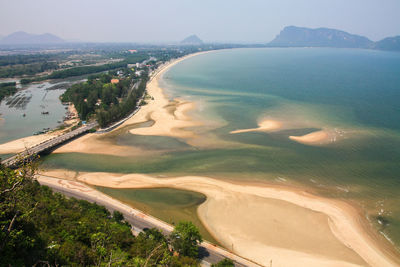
{"x": 290, "y": 227}
{"x": 263, "y": 126}
{"x": 321, "y": 137}
{"x": 169, "y": 117}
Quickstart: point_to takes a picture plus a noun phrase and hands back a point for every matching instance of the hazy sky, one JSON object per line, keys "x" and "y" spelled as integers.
{"x": 211, "y": 20}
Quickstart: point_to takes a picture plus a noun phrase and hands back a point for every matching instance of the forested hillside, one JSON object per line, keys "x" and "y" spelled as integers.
{"x": 43, "y": 228}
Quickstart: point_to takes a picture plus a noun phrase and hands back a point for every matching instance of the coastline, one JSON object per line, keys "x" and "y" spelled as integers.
{"x": 265, "y": 220}
{"x": 343, "y": 222}
{"x": 255, "y": 202}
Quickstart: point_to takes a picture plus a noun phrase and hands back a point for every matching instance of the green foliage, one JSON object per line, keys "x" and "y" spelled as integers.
{"x": 38, "y": 226}
{"x": 27, "y": 69}
{"x": 110, "y": 102}
{"x": 25, "y": 81}
{"x": 185, "y": 239}
{"x": 224, "y": 263}
{"x": 78, "y": 71}
{"x": 7, "y": 89}
{"x": 118, "y": 216}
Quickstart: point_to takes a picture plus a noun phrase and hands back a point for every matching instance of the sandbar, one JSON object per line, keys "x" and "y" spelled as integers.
{"x": 288, "y": 226}
{"x": 94, "y": 144}
{"x": 157, "y": 109}
{"x": 321, "y": 137}
{"x": 263, "y": 126}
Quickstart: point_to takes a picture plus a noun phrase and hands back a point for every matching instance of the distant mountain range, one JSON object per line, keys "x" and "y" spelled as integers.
{"x": 293, "y": 36}
{"x": 290, "y": 36}
{"x": 192, "y": 40}
{"x": 23, "y": 38}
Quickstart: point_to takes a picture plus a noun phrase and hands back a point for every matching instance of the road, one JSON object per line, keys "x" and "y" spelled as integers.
{"x": 210, "y": 253}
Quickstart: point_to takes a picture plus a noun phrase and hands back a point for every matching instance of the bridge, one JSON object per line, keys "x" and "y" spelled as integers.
{"x": 47, "y": 145}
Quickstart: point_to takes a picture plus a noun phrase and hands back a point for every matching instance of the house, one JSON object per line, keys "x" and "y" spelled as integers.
{"x": 114, "y": 81}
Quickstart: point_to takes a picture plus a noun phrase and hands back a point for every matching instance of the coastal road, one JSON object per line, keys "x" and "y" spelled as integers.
{"x": 210, "y": 253}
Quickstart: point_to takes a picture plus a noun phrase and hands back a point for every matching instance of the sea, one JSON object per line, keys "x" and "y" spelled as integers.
{"x": 353, "y": 94}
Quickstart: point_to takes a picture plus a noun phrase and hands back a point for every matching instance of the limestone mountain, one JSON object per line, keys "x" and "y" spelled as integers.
{"x": 293, "y": 36}
{"x": 192, "y": 40}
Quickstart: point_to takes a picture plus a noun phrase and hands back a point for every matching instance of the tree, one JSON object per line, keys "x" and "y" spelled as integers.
{"x": 224, "y": 263}
{"x": 118, "y": 216}
{"x": 185, "y": 239}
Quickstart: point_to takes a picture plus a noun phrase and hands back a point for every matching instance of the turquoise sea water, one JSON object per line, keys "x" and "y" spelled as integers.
{"x": 353, "y": 93}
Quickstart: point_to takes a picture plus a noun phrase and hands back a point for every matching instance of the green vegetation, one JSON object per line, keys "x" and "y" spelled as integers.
{"x": 107, "y": 101}
{"x": 27, "y": 69}
{"x": 78, "y": 71}
{"x": 185, "y": 239}
{"x": 224, "y": 263}
{"x": 18, "y": 65}
{"x": 7, "y": 89}
{"x": 40, "y": 227}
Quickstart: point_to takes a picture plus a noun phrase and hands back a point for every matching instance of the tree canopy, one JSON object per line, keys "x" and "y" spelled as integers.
{"x": 186, "y": 239}
{"x": 41, "y": 228}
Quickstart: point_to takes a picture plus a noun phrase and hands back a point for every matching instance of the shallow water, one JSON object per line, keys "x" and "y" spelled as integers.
{"x": 354, "y": 92}
{"x": 167, "y": 204}
{"x": 32, "y": 100}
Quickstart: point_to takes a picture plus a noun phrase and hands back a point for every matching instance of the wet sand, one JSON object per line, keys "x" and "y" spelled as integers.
{"x": 263, "y": 126}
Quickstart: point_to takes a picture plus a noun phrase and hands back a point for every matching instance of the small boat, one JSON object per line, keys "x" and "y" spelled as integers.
{"x": 23, "y": 115}
{"x": 45, "y": 112}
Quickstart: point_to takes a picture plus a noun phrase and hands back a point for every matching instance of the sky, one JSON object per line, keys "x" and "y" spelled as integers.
{"x": 159, "y": 21}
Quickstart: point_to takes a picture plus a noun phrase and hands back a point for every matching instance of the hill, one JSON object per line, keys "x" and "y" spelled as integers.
{"x": 390, "y": 43}
{"x": 293, "y": 36}
{"x": 18, "y": 38}
{"x": 192, "y": 40}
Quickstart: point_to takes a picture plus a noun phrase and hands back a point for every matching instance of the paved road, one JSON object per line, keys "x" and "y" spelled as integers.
{"x": 210, "y": 253}
{"x": 48, "y": 144}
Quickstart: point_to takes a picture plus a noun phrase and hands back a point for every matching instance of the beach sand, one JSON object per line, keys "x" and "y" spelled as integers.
{"x": 95, "y": 144}
{"x": 321, "y": 137}
{"x": 263, "y": 126}
{"x": 288, "y": 226}
{"x": 170, "y": 117}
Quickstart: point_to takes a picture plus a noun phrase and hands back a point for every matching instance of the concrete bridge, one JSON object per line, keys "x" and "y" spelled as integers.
{"x": 47, "y": 145}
